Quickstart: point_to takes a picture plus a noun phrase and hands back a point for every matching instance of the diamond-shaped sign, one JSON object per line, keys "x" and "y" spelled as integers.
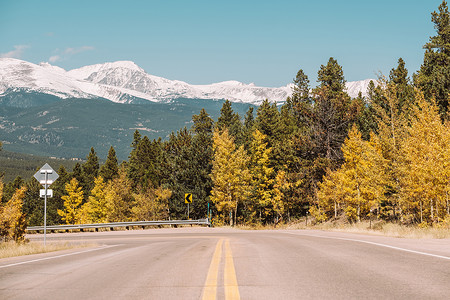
{"x": 46, "y": 175}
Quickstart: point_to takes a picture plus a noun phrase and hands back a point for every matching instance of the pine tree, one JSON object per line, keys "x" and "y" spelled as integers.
{"x": 300, "y": 102}
{"x": 72, "y": 203}
{"x": 433, "y": 78}
{"x": 90, "y": 171}
{"x": 332, "y": 77}
{"x": 230, "y": 120}
{"x": 143, "y": 166}
{"x": 203, "y": 124}
{"x": 11, "y": 188}
{"x": 33, "y": 206}
{"x": 405, "y": 92}
{"x": 267, "y": 122}
{"x": 110, "y": 169}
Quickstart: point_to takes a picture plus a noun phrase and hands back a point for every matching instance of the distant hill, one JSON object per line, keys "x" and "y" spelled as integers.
{"x": 25, "y": 165}
{"x": 68, "y": 128}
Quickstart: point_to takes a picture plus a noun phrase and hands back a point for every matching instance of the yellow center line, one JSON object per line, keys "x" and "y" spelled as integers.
{"x": 210, "y": 289}
{"x": 230, "y": 281}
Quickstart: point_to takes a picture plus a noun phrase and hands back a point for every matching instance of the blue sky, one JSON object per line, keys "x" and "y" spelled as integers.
{"x": 201, "y": 42}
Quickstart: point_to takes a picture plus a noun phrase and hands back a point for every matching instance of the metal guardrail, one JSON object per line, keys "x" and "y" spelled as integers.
{"x": 120, "y": 224}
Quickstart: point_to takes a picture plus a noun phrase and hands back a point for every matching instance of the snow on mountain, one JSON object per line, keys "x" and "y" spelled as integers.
{"x": 354, "y": 87}
{"x": 121, "y": 81}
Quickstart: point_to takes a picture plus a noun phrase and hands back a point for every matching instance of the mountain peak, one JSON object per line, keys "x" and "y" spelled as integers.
{"x": 125, "y": 64}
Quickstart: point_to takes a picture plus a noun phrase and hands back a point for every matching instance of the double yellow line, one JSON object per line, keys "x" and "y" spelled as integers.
{"x": 229, "y": 278}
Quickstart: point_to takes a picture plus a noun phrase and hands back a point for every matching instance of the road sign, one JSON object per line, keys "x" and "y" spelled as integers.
{"x": 46, "y": 175}
{"x": 188, "y": 198}
{"x": 49, "y": 193}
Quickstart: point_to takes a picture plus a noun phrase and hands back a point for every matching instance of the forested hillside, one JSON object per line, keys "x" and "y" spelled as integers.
{"x": 384, "y": 156}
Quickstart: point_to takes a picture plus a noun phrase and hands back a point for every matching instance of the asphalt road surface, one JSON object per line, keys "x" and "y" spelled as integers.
{"x": 217, "y": 263}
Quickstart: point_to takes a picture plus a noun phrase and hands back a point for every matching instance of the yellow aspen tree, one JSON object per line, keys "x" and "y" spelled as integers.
{"x": 72, "y": 203}
{"x": 151, "y": 205}
{"x": 119, "y": 197}
{"x": 330, "y": 196}
{"x": 426, "y": 164}
{"x": 391, "y": 122}
{"x": 12, "y": 218}
{"x": 358, "y": 186}
{"x": 279, "y": 202}
{"x": 263, "y": 176}
{"x": 97, "y": 204}
{"x": 230, "y": 175}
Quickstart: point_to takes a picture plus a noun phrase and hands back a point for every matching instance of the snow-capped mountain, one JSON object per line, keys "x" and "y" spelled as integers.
{"x": 124, "y": 81}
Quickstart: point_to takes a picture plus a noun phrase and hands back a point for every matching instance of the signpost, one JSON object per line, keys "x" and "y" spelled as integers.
{"x": 46, "y": 176}
{"x": 188, "y": 200}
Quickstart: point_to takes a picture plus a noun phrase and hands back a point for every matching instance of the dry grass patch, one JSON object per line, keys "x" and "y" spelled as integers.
{"x": 379, "y": 228}
{"x": 11, "y": 249}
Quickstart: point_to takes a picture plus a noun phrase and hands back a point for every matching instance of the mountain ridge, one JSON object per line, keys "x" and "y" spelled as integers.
{"x": 124, "y": 82}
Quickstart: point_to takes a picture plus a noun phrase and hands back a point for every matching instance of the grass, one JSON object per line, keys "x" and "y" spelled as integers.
{"x": 376, "y": 228}
{"x": 11, "y": 249}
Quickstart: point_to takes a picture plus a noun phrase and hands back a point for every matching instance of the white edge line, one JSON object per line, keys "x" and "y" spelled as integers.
{"x": 373, "y": 243}
{"x": 58, "y": 256}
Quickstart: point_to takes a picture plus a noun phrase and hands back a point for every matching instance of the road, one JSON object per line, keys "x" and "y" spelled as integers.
{"x": 218, "y": 263}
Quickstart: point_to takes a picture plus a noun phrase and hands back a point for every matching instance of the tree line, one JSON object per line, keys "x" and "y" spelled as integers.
{"x": 322, "y": 152}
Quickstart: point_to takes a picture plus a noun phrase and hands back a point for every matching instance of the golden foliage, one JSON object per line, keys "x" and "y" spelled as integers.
{"x": 72, "y": 212}
{"x": 12, "y": 218}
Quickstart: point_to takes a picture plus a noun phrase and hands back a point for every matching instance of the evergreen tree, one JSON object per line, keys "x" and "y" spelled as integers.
{"x": 364, "y": 116}
{"x": 110, "y": 168}
{"x": 178, "y": 170}
{"x": 143, "y": 166}
{"x": 33, "y": 205}
{"x": 230, "y": 120}
{"x": 136, "y": 140}
{"x": 405, "y": 92}
{"x": 203, "y": 124}
{"x": 267, "y": 122}
{"x": 201, "y": 153}
{"x": 300, "y": 102}
{"x": 77, "y": 172}
{"x": 11, "y": 188}
{"x": 249, "y": 123}
{"x": 90, "y": 171}
{"x": 332, "y": 77}
{"x": 433, "y": 78}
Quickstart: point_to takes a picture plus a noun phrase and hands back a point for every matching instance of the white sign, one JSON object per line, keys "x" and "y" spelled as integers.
{"x": 46, "y": 175}
{"x": 49, "y": 193}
